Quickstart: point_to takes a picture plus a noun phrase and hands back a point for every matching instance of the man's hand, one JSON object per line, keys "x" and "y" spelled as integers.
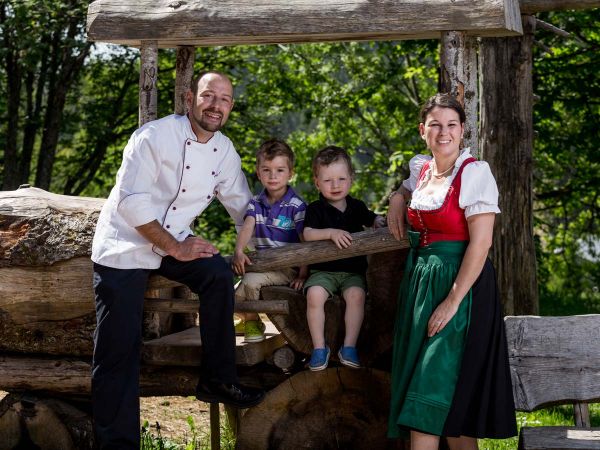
{"x": 192, "y": 248}
{"x": 341, "y": 238}
{"x": 239, "y": 261}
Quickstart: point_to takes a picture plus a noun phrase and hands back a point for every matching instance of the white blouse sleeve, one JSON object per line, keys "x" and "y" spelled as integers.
{"x": 415, "y": 165}
{"x": 478, "y": 192}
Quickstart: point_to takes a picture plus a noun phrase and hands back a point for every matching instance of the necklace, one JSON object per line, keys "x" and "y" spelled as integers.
{"x": 440, "y": 175}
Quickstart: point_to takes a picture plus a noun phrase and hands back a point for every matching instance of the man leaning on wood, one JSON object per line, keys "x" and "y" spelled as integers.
{"x": 172, "y": 169}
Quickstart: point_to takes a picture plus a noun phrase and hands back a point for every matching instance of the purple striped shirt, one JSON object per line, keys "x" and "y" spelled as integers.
{"x": 278, "y": 224}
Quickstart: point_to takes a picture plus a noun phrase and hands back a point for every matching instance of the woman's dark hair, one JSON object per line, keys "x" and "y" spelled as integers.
{"x": 443, "y": 101}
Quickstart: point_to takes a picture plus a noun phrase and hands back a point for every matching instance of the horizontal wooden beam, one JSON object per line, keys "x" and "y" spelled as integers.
{"x": 181, "y": 305}
{"x": 293, "y": 255}
{"x": 242, "y": 22}
{"x": 535, "y": 6}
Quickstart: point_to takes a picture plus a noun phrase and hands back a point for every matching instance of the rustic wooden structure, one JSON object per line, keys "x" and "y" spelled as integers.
{"x": 556, "y": 360}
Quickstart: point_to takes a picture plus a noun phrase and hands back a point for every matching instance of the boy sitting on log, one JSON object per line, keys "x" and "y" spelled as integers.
{"x": 274, "y": 218}
{"x": 334, "y": 216}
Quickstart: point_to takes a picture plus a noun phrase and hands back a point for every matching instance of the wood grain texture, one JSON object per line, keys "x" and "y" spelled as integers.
{"x": 184, "y": 72}
{"x": 363, "y": 243}
{"x": 559, "y": 438}
{"x": 554, "y": 360}
{"x": 212, "y": 22}
{"x": 535, "y": 6}
{"x": 334, "y": 408}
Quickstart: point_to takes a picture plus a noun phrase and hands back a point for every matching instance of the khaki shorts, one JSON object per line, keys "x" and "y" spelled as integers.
{"x": 335, "y": 282}
{"x": 249, "y": 287}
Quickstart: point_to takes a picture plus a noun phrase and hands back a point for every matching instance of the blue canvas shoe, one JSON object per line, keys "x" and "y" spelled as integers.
{"x": 319, "y": 359}
{"x": 349, "y": 357}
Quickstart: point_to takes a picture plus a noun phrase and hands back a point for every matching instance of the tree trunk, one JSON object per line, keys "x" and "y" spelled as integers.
{"x": 458, "y": 76}
{"x": 507, "y": 144}
{"x": 334, "y": 408}
{"x": 148, "y": 76}
{"x": 184, "y": 73}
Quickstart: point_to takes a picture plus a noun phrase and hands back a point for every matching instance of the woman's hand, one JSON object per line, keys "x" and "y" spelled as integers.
{"x": 239, "y": 261}
{"x": 441, "y": 316}
{"x": 395, "y": 217}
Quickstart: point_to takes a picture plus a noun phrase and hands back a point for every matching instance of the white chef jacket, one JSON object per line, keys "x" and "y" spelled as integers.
{"x": 168, "y": 176}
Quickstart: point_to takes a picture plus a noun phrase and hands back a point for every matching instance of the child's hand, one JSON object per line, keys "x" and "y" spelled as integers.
{"x": 239, "y": 261}
{"x": 298, "y": 282}
{"x": 341, "y": 238}
{"x": 379, "y": 222}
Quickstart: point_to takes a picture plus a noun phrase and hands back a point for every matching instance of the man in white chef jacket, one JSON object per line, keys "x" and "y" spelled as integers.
{"x": 172, "y": 169}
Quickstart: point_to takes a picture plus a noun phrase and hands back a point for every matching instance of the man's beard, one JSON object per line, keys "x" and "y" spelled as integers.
{"x": 207, "y": 126}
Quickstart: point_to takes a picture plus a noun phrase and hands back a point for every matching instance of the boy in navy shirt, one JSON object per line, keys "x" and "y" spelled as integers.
{"x": 334, "y": 216}
{"x": 274, "y": 218}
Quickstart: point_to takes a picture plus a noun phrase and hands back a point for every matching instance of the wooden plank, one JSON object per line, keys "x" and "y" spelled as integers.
{"x": 581, "y": 411}
{"x": 363, "y": 243}
{"x": 180, "y": 305}
{"x": 213, "y": 22}
{"x": 184, "y": 348}
{"x": 535, "y": 6}
{"x": 554, "y": 359}
{"x": 559, "y": 438}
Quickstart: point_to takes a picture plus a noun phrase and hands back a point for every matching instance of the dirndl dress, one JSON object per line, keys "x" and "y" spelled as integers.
{"x": 456, "y": 383}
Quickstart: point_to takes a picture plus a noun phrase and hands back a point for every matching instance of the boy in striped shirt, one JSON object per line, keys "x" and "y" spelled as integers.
{"x": 274, "y": 218}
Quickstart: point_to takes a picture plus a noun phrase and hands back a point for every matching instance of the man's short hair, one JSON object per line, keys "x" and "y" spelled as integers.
{"x": 195, "y": 81}
{"x": 329, "y": 155}
{"x": 272, "y": 148}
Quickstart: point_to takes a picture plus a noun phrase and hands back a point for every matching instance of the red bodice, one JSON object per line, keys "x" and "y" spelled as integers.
{"x": 448, "y": 222}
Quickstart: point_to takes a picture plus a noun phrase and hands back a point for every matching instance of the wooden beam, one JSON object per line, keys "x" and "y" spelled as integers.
{"x": 184, "y": 72}
{"x": 458, "y": 76}
{"x": 148, "y": 74}
{"x": 181, "y": 305}
{"x": 535, "y": 6}
{"x": 363, "y": 243}
{"x": 212, "y": 22}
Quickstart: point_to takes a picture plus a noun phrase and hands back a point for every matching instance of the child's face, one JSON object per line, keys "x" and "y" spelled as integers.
{"x": 275, "y": 174}
{"x": 334, "y": 181}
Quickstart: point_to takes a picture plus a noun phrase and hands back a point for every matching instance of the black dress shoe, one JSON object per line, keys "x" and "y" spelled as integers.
{"x": 229, "y": 394}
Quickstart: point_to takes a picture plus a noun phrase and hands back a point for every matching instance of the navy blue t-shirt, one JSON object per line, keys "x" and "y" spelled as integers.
{"x": 320, "y": 214}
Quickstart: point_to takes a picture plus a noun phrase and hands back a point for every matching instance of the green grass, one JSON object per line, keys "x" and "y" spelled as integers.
{"x": 195, "y": 441}
{"x": 557, "y": 415}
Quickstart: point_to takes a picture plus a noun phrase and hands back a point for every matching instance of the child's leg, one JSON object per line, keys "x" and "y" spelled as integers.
{"x": 316, "y": 296}
{"x": 355, "y": 312}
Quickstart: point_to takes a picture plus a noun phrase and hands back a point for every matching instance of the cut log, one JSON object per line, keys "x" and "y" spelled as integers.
{"x": 269, "y": 22}
{"x": 383, "y": 278}
{"x": 334, "y": 408}
{"x": 30, "y": 422}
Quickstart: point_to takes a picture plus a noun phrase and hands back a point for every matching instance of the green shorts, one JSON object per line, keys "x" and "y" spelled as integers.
{"x": 335, "y": 282}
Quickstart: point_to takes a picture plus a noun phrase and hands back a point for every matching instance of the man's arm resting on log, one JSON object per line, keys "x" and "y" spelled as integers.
{"x": 191, "y": 248}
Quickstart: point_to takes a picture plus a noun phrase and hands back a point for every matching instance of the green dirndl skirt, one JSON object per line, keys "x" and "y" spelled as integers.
{"x": 425, "y": 370}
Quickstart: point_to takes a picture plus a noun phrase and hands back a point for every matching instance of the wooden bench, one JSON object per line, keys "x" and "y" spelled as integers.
{"x": 553, "y": 361}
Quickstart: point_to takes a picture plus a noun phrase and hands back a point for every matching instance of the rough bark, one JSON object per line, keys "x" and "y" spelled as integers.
{"x": 458, "y": 76}
{"x": 250, "y": 22}
{"x": 507, "y": 144}
{"x": 148, "y": 75}
{"x": 184, "y": 73}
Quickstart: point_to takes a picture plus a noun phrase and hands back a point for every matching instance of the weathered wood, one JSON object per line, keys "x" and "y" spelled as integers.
{"x": 559, "y": 438}
{"x": 335, "y": 408}
{"x": 184, "y": 71}
{"x": 69, "y": 377}
{"x": 581, "y": 411}
{"x": 554, "y": 360}
{"x": 535, "y": 6}
{"x": 178, "y": 305}
{"x": 41, "y": 228}
{"x": 215, "y": 427}
{"x": 363, "y": 243}
{"x": 277, "y": 21}
{"x": 148, "y": 74}
{"x": 458, "y": 76}
{"x": 184, "y": 348}
{"x": 284, "y": 357}
{"x": 507, "y": 144}
{"x": 30, "y": 422}
{"x": 383, "y": 278}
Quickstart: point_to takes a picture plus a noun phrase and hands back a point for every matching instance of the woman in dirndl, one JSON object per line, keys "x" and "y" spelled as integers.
{"x": 450, "y": 374}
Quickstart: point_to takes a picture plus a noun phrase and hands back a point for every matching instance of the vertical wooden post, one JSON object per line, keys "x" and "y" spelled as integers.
{"x": 215, "y": 427}
{"x": 184, "y": 72}
{"x": 148, "y": 74}
{"x": 507, "y": 144}
{"x": 581, "y": 411}
{"x": 458, "y": 76}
